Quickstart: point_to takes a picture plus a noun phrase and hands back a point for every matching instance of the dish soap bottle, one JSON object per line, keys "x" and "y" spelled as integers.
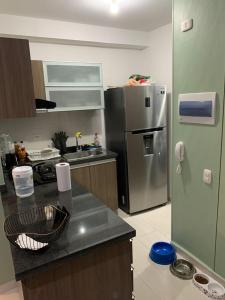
{"x": 96, "y": 140}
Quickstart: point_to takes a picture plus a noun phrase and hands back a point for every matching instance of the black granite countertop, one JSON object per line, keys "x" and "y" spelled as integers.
{"x": 91, "y": 224}
{"x": 106, "y": 154}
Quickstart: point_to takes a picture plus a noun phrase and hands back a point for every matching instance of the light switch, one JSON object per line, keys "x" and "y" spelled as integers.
{"x": 187, "y": 25}
{"x": 207, "y": 176}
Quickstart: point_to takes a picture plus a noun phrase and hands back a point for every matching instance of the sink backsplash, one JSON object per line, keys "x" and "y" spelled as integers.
{"x": 37, "y": 132}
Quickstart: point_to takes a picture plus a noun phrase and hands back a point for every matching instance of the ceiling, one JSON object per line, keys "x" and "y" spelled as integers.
{"x": 142, "y": 15}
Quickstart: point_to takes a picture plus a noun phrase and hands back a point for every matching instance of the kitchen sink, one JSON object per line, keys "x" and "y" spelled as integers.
{"x": 82, "y": 155}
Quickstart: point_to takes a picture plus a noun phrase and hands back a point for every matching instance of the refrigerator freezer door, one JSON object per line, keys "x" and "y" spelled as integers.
{"x": 145, "y": 107}
{"x": 147, "y": 169}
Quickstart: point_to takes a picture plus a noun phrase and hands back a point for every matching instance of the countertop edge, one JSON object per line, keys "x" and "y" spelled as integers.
{"x": 108, "y": 155}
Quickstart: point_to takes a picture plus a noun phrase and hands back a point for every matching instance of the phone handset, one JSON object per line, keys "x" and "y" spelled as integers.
{"x": 179, "y": 153}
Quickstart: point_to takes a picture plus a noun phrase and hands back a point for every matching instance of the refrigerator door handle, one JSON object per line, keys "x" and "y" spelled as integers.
{"x": 147, "y": 131}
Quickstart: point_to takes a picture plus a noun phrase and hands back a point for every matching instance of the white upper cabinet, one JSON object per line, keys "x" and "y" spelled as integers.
{"x": 72, "y": 74}
{"x": 76, "y": 98}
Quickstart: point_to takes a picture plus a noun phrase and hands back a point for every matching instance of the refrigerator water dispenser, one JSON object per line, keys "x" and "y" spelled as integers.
{"x": 148, "y": 144}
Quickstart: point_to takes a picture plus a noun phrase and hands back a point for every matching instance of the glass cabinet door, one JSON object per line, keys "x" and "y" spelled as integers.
{"x": 76, "y": 98}
{"x": 72, "y": 74}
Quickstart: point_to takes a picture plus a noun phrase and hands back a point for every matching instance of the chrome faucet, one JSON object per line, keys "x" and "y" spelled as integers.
{"x": 78, "y": 135}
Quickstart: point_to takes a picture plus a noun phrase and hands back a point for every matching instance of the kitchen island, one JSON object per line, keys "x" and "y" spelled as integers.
{"x": 92, "y": 258}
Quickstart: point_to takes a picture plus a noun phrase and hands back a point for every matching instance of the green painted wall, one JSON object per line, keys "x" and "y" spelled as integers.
{"x": 220, "y": 244}
{"x": 6, "y": 265}
{"x": 198, "y": 66}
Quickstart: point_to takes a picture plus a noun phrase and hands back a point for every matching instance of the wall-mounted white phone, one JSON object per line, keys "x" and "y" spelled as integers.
{"x": 179, "y": 153}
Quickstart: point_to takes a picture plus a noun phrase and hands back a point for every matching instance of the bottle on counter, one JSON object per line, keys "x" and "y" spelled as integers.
{"x": 10, "y": 157}
{"x": 23, "y": 181}
{"x": 21, "y": 152}
{"x": 7, "y": 151}
{"x": 96, "y": 140}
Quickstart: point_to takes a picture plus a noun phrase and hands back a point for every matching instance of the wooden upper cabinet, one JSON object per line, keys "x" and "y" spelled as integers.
{"x": 16, "y": 83}
{"x": 38, "y": 79}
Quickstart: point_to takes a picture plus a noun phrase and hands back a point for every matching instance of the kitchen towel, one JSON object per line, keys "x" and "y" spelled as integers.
{"x": 26, "y": 242}
{"x": 63, "y": 177}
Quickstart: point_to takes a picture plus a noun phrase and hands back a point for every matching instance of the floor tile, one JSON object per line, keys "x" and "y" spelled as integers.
{"x": 122, "y": 214}
{"x": 191, "y": 292}
{"x": 160, "y": 222}
{"x": 143, "y": 291}
{"x": 140, "y": 258}
{"x": 10, "y": 295}
{"x": 140, "y": 226}
{"x": 149, "y": 239}
{"x": 159, "y": 279}
{"x": 153, "y": 281}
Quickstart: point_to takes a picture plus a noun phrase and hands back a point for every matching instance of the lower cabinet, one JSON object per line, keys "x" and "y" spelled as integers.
{"x": 103, "y": 273}
{"x": 100, "y": 178}
{"x": 81, "y": 175}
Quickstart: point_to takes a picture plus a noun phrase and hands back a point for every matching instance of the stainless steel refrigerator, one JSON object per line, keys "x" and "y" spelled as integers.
{"x": 136, "y": 129}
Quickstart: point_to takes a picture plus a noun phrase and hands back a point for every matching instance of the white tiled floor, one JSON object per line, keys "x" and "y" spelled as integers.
{"x": 11, "y": 291}
{"x": 12, "y": 294}
{"x": 152, "y": 281}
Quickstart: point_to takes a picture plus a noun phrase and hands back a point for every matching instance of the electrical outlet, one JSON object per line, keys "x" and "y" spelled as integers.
{"x": 187, "y": 25}
{"x": 207, "y": 176}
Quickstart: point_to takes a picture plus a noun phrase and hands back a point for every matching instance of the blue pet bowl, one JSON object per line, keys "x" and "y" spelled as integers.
{"x": 162, "y": 253}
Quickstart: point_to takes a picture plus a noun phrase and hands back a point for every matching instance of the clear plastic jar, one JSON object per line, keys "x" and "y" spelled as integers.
{"x": 23, "y": 181}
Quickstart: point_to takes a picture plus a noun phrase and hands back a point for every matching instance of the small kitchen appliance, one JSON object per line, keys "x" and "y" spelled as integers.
{"x": 44, "y": 172}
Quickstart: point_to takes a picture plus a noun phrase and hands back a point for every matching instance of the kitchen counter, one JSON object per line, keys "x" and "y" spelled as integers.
{"x": 91, "y": 224}
{"x": 106, "y": 154}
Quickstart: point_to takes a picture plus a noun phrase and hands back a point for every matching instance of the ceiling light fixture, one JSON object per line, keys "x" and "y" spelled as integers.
{"x": 114, "y": 9}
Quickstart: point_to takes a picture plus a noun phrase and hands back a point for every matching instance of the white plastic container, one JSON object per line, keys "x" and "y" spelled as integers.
{"x": 23, "y": 181}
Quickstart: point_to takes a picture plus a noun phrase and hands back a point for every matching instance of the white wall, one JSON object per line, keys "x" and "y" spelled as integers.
{"x": 159, "y": 55}
{"x": 37, "y": 132}
{"x": 71, "y": 33}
